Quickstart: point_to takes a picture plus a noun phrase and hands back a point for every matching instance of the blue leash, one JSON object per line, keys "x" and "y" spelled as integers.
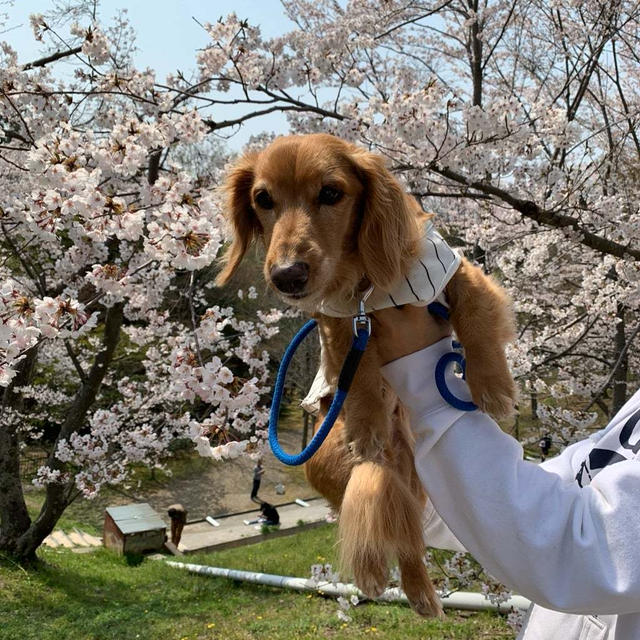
{"x": 362, "y": 331}
{"x": 344, "y": 382}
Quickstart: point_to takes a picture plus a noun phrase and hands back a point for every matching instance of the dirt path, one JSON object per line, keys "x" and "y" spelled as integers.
{"x": 224, "y": 487}
{"x": 204, "y": 487}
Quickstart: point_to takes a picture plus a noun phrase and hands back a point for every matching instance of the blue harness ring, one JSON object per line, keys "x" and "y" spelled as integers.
{"x": 441, "y": 384}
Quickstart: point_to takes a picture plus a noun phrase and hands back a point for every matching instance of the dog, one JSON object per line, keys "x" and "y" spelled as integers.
{"x": 333, "y": 221}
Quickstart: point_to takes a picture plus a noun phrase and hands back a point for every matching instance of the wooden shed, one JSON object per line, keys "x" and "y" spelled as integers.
{"x": 133, "y": 528}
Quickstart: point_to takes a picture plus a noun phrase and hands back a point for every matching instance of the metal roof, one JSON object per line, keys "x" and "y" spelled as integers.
{"x": 133, "y": 518}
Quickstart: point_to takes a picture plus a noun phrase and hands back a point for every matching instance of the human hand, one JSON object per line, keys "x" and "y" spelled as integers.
{"x": 402, "y": 331}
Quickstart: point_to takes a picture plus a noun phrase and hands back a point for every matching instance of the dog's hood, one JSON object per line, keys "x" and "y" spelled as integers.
{"x": 427, "y": 278}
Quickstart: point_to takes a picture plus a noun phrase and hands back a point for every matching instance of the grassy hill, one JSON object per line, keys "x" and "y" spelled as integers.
{"x": 101, "y": 596}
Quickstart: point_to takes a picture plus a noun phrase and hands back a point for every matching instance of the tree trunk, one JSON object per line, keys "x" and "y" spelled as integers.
{"x": 14, "y": 517}
{"x": 27, "y": 539}
{"x": 476, "y": 60}
{"x": 534, "y": 407}
{"x": 619, "y": 382}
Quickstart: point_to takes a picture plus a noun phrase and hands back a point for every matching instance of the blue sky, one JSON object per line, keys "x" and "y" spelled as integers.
{"x": 167, "y": 35}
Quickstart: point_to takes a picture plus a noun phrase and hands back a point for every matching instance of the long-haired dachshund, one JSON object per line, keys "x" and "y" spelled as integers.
{"x": 334, "y": 220}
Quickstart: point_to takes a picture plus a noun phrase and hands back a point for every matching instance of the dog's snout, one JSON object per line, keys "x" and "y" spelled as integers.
{"x": 290, "y": 278}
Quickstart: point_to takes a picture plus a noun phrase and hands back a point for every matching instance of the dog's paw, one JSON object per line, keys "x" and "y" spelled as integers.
{"x": 426, "y": 606}
{"x": 497, "y": 405}
{"x": 371, "y": 577}
{"x": 492, "y": 389}
{"x": 419, "y": 589}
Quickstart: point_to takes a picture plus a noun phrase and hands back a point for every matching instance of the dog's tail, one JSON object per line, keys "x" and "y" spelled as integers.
{"x": 380, "y": 520}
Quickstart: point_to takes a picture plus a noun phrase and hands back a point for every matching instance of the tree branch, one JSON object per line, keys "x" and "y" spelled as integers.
{"x": 619, "y": 361}
{"x": 222, "y": 124}
{"x": 58, "y": 55}
{"x": 531, "y": 210}
{"x": 76, "y": 362}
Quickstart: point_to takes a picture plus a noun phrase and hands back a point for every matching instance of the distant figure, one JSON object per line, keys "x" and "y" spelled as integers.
{"x": 178, "y": 515}
{"x": 257, "y": 477}
{"x": 545, "y": 445}
{"x": 270, "y": 514}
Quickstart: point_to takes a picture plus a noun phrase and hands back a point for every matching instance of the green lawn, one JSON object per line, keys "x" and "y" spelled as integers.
{"x": 99, "y": 596}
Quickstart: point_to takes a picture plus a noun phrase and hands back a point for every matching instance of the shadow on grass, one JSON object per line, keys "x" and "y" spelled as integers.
{"x": 105, "y": 597}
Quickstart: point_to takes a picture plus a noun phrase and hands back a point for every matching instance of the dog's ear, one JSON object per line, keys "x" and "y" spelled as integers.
{"x": 240, "y": 214}
{"x": 388, "y": 233}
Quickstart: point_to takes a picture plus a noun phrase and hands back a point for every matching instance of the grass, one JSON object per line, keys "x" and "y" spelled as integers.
{"x": 99, "y": 596}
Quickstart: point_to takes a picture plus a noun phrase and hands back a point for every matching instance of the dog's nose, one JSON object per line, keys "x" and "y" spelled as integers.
{"x": 290, "y": 278}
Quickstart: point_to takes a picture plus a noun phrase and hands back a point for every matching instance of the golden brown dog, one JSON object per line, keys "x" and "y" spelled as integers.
{"x": 333, "y": 219}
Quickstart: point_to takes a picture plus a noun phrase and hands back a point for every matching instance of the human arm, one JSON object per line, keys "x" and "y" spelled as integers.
{"x": 438, "y": 535}
{"x": 564, "y": 547}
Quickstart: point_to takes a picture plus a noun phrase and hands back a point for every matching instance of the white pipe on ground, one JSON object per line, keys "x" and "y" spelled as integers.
{"x": 458, "y": 600}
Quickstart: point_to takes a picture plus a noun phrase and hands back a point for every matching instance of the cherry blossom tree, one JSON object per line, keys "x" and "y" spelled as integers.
{"x": 111, "y": 341}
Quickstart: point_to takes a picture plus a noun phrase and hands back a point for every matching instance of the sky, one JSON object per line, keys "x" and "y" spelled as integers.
{"x": 167, "y": 36}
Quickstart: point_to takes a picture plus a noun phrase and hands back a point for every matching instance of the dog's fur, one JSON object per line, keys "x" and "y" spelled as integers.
{"x": 369, "y": 235}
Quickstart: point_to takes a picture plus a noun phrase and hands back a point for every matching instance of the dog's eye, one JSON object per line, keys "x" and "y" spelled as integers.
{"x": 329, "y": 195}
{"x": 263, "y": 200}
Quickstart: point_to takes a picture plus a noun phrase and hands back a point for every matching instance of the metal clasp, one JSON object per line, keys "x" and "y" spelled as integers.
{"x": 362, "y": 319}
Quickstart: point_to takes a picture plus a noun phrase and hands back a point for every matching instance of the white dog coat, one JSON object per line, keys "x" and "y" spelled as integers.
{"x": 423, "y": 284}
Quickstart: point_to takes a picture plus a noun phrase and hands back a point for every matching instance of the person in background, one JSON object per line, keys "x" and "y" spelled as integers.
{"x": 258, "y": 470}
{"x": 563, "y": 533}
{"x": 269, "y": 515}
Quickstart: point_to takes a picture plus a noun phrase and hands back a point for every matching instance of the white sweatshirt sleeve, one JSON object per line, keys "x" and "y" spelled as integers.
{"x": 436, "y": 532}
{"x": 565, "y": 548}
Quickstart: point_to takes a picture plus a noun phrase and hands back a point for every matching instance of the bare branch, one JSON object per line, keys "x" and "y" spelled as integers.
{"x": 222, "y": 124}
{"x": 76, "y": 363}
{"x": 58, "y": 55}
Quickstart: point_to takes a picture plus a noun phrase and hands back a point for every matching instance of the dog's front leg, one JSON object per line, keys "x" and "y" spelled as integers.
{"x": 329, "y": 469}
{"x": 368, "y": 410}
{"x": 367, "y": 407}
{"x": 482, "y": 317}
{"x": 366, "y": 542}
{"x": 381, "y": 512}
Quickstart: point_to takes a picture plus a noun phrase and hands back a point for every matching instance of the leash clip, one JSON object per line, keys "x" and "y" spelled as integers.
{"x": 361, "y": 319}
